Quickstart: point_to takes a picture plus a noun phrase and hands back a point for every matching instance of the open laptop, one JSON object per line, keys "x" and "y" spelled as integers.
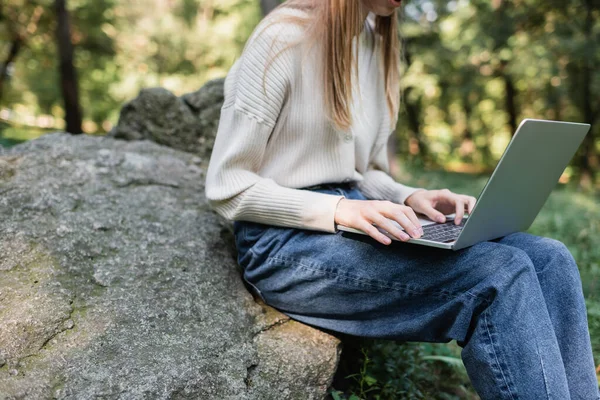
{"x": 529, "y": 169}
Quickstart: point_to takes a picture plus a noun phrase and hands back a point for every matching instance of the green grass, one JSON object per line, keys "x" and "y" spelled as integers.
{"x": 388, "y": 370}
{"x": 11, "y": 135}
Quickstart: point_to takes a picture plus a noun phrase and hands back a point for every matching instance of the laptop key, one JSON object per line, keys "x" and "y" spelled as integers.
{"x": 445, "y": 232}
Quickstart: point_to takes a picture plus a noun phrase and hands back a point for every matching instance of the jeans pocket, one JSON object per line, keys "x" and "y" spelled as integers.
{"x": 246, "y": 236}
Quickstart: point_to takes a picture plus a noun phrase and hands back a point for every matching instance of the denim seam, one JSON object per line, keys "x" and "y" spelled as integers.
{"x": 372, "y": 282}
{"x": 251, "y": 250}
{"x": 354, "y": 283}
{"x": 478, "y": 297}
{"x": 488, "y": 326}
{"x": 259, "y": 292}
{"x": 537, "y": 349}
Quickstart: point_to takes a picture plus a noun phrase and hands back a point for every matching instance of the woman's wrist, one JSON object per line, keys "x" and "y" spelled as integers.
{"x": 337, "y": 208}
{"x": 410, "y": 198}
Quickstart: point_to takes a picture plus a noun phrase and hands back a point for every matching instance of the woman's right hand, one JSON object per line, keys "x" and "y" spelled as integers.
{"x": 361, "y": 214}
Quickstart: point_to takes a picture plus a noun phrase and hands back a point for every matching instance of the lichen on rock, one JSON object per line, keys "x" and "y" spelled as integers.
{"x": 118, "y": 281}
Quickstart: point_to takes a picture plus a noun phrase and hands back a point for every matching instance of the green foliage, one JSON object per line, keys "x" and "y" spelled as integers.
{"x": 120, "y": 47}
{"x": 476, "y": 67}
{"x": 366, "y": 383}
{"x": 462, "y": 57}
{"x": 390, "y": 370}
{"x": 593, "y": 308}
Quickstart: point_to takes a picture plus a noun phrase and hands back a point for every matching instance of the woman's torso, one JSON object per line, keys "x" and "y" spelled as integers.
{"x": 304, "y": 147}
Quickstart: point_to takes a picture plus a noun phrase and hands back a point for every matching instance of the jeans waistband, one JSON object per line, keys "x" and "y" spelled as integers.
{"x": 333, "y": 185}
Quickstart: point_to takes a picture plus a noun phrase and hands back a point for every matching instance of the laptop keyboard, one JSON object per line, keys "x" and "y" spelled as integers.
{"x": 446, "y": 232}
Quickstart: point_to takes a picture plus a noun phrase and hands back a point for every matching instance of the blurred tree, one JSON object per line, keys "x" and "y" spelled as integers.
{"x": 473, "y": 68}
{"x": 477, "y": 67}
{"x": 15, "y": 46}
{"x": 68, "y": 74}
{"x": 590, "y": 105}
{"x": 21, "y": 21}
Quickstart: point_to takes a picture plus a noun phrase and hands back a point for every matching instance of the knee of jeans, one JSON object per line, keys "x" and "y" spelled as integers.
{"x": 548, "y": 251}
{"x": 502, "y": 267}
{"x": 520, "y": 262}
{"x": 503, "y": 257}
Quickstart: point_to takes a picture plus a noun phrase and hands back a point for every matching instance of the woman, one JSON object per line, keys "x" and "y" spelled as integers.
{"x": 302, "y": 146}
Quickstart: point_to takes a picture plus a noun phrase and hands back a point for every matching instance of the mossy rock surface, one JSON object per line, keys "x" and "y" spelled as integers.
{"x": 118, "y": 282}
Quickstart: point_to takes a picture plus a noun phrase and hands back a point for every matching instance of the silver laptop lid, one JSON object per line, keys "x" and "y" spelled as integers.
{"x": 527, "y": 172}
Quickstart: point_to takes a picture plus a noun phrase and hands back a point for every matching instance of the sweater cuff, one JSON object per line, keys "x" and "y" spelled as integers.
{"x": 335, "y": 226}
{"x": 319, "y": 213}
{"x": 269, "y": 203}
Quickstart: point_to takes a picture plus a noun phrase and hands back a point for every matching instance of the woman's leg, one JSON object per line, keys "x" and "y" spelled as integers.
{"x": 560, "y": 282}
{"x": 487, "y": 297}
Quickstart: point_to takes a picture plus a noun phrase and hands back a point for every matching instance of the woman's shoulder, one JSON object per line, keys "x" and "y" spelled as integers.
{"x": 282, "y": 27}
{"x": 259, "y": 80}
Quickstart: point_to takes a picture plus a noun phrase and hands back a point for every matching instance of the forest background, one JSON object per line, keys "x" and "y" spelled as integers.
{"x": 472, "y": 70}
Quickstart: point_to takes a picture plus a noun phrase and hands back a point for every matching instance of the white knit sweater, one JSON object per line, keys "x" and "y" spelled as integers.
{"x": 272, "y": 142}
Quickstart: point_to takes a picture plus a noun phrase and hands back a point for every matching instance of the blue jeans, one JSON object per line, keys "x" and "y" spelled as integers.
{"x": 514, "y": 305}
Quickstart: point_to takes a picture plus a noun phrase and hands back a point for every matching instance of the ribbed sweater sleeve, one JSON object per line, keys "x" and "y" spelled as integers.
{"x": 377, "y": 184}
{"x": 234, "y": 187}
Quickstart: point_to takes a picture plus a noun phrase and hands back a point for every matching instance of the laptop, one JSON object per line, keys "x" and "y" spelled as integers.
{"x": 529, "y": 169}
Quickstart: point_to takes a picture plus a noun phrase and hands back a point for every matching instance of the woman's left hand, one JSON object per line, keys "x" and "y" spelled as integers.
{"x": 437, "y": 203}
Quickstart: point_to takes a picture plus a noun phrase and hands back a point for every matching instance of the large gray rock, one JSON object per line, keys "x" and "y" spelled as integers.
{"x": 187, "y": 123}
{"x": 118, "y": 282}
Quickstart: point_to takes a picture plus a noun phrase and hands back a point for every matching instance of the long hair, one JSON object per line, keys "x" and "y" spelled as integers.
{"x": 334, "y": 24}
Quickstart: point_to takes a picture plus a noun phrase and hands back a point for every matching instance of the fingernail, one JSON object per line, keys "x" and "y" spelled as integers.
{"x": 404, "y": 236}
{"x": 441, "y": 219}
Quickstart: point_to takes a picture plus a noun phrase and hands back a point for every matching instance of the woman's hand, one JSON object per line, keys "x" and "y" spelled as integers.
{"x": 361, "y": 214}
{"x": 436, "y": 203}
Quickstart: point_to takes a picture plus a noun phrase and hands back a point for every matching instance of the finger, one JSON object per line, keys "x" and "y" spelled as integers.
{"x": 407, "y": 224}
{"x": 405, "y": 216}
{"x": 372, "y": 231}
{"x": 460, "y": 209}
{"x": 471, "y": 200}
{"x": 385, "y": 223}
{"x": 410, "y": 213}
{"x": 465, "y": 198}
{"x": 433, "y": 214}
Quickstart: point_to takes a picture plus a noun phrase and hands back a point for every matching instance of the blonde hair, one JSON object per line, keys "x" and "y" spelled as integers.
{"x": 335, "y": 23}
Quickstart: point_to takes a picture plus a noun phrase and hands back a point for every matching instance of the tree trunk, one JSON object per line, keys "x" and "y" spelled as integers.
{"x": 511, "y": 110}
{"x": 12, "y": 54}
{"x": 68, "y": 74}
{"x": 510, "y": 94}
{"x": 268, "y": 5}
{"x": 588, "y": 159}
{"x": 467, "y": 109}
